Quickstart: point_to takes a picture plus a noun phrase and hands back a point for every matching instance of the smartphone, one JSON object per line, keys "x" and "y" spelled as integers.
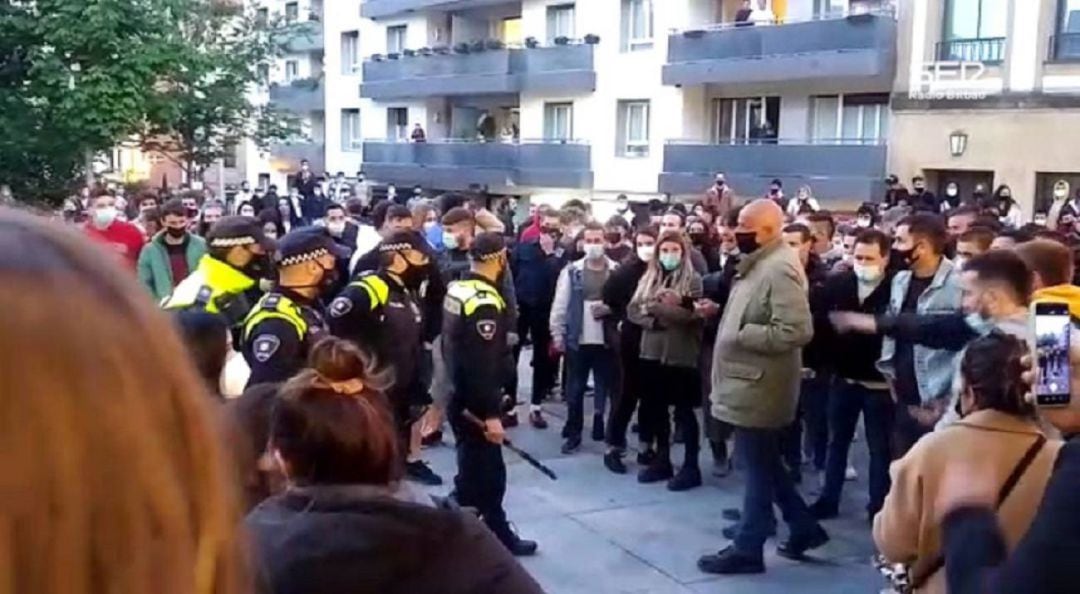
{"x": 1052, "y": 328}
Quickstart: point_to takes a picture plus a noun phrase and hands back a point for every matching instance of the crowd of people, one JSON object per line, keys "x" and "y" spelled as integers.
{"x": 330, "y": 340}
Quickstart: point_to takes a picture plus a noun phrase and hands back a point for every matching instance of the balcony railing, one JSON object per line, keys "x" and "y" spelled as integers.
{"x": 301, "y": 36}
{"x": 453, "y": 164}
{"x": 988, "y": 50}
{"x": 373, "y": 9}
{"x": 1065, "y": 47}
{"x": 859, "y": 47}
{"x": 300, "y": 96}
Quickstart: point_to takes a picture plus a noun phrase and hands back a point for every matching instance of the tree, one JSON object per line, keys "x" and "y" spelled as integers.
{"x": 76, "y": 76}
{"x": 203, "y": 108}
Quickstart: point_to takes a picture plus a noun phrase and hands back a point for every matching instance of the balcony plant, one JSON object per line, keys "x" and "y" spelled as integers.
{"x": 531, "y": 43}
{"x": 495, "y": 44}
{"x": 592, "y": 39}
{"x": 393, "y": 56}
{"x": 408, "y": 53}
{"x": 424, "y": 51}
{"x": 442, "y": 50}
{"x": 377, "y": 57}
{"x": 694, "y": 33}
{"x": 562, "y": 40}
{"x": 461, "y": 48}
{"x": 478, "y": 46}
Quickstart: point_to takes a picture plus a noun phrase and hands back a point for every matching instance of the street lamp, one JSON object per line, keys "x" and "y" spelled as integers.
{"x": 958, "y": 142}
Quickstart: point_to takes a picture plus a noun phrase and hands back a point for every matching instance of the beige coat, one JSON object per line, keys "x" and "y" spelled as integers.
{"x": 908, "y": 528}
{"x": 757, "y": 361}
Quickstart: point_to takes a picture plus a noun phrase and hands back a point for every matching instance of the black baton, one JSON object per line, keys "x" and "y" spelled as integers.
{"x": 526, "y": 456}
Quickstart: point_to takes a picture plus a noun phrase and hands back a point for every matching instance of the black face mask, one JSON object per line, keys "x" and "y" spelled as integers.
{"x": 329, "y": 279}
{"x": 747, "y": 242}
{"x": 175, "y": 232}
{"x": 414, "y": 276}
{"x": 907, "y": 257}
{"x": 258, "y": 267}
{"x": 613, "y": 237}
{"x": 697, "y": 238}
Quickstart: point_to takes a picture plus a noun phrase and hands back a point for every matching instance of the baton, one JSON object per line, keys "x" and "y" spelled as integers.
{"x": 526, "y": 456}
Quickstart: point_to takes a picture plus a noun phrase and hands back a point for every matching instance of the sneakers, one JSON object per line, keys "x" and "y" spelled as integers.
{"x": 598, "y": 428}
{"x": 731, "y": 562}
{"x": 646, "y": 457}
{"x": 510, "y": 420}
{"x": 572, "y": 444}
{"x": 796, "y": 546}
{"x": 432, "y": 439}
{"x": 687, "y": 478}
{"x": 659, "y": 470}
{"x": 418, "y": 471}
{"x": 613, "y": 461}
{"x": 537, "y": 420}
{"x": 824, "y": 511}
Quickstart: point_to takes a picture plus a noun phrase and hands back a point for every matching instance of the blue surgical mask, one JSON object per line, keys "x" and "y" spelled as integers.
{"x": 669, "y": 262}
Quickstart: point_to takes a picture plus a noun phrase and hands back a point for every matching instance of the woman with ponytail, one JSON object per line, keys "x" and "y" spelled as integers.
{"x": 998, "y": 438}
{"x": 346, "y": 523}
{"x": 663, "y": 306}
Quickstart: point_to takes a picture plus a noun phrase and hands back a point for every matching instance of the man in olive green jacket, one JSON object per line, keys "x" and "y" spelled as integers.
{"x": 757, "y": 366}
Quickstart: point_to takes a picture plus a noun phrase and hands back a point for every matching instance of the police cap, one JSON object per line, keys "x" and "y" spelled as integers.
{"x": 232, "y": 231}
{"x": 306, "y": 244}
{"x": 487, "y": 246}
{"x": 401, "y": 241}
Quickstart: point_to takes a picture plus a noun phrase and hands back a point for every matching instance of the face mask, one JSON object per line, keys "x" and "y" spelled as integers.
{"x": 175, "y": 232}
{"x": 747, "y": 242}
{"x": 613, "y": 237}
{"x": 594, "y": 251}
{"x": 867, "y": 274}
{"x": 951, "y": 192}
{"x": 103, "y": 217}
{"x": 960, "y": 262}
{"x": 328, "y": 280}
{"x": 1060, "y": 193}
{"x": 336, "y": 227}
{"x": 1005, "y": 197}
{"x": 906, "y": 256}
{"x": 697, "y": 238}
{"x": 258, "y": 267}
{"x": 414, "y": 276}
{"x": 720, "y": 184}
{"x": 450, "y": 241}
{"x": 645, "y": 253}
{"x": 919, "y": 188}
{"x": 247, "y": 213}
{"x": 669, "y": 262}
{"x": 429, "y": 225}
{"x": 862, "y": 222}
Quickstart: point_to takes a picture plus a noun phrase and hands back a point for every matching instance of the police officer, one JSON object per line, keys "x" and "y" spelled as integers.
{"x": 227, "y": 278}
{"x": 382, "y": 310}
{"x": 279, "y": 331}
{"x": 474, "y": 344}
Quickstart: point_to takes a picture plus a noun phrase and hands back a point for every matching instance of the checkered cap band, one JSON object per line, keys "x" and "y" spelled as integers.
{"x": 491, "y": 256}
{"x": 305, "y": 257}
{"x": 395, "y": 247}
{"x": 232, "y": 241}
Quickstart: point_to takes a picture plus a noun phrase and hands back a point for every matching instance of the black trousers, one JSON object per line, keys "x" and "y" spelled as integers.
{"x": 533, "y": 321}
{"x": 629, "y": 385}
{"x": 812, "y": 414}
{"x": 481, "y": 479}
{"x": 668, "y": 386}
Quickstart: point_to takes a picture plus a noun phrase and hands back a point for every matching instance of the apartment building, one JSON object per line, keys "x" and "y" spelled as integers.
{"x": 988, "y": 91}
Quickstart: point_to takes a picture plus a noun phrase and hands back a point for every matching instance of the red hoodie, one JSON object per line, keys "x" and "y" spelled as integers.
{"x": 532, "y": 231}
{"x": 121, "y": 236}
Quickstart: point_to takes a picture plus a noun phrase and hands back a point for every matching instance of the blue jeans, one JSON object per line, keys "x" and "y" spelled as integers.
{"x": 598, "y": 359}
{"x": 813, "y": 405}
{"x": 848, "y": 400}
{"x": 767, "y": 482}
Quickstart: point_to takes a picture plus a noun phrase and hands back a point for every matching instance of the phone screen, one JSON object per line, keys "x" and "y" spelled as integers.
{"x": 1052, "y": 327}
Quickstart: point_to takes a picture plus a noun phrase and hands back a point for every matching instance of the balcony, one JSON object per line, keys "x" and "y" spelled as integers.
{"x": 301, "y": 37}
{"x": 373, "y": 9}
{"x": 988, "y": 50}
{"x": 287, "y": 156}
{"x": 450, "y": 165}
{"x": 300, "y": 96}
{"x": 1065, "y": 47}
{"x": 850, "y": 171}
{"x": 858, "y": 47}
{"x": 481, "y": 69}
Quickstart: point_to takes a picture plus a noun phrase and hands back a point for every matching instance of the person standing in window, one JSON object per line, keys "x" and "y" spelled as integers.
{"x": 742, "y": 17}
{"x": 762, "y": 15}
{"x": 418, "y": 134}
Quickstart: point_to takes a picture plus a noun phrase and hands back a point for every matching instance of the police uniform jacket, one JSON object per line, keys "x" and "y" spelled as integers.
{"x": 473, "y": 343}
{"x": 278, "y": 334}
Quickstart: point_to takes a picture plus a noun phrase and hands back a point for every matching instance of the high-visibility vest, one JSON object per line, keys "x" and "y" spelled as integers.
{"x": 473, "y": 294}
{"x": 279, "y": 307}
{"x": 214, "y": 286}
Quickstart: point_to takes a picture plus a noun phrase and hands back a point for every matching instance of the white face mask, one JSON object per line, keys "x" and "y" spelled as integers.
{"x": 429, "y": 225}
{"x": 594, "y": 251}
{"x": 960, "y": 261}
{"x": 862, "y": 222}
{"x": 1060, "y": 193}
{"x": 645, "y": 253}
{"x": 335, "y": 227}
{"x": 951, "y": 192}
{"x": 867, "y": 273}
{"x": 103, "y": 217}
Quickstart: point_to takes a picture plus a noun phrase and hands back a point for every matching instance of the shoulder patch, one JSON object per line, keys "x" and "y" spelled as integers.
{"x": 452, "y": 306}
{"x": 271, "y": 301}
{"x": 264, "y": 347}
{"x": 486, "y": 329}
{"x": 340, "y": 306}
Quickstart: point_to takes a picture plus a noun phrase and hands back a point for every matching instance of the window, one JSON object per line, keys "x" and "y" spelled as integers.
{"x": 746, "y": 119}
{"x": 637, "y": 25}
{"x": 633, "y": 130}
{"x": 292, "y": 70}
{"x": 264, "y": 74}
{"x": 350, "y": 130}
{"x": 395, "y": 39}
{"x": 849, "y": 119}
{"x": 974, "y": 30}
{"x": 560, "y": 21}
{"x": 230, "y": 158}
{"x": 558, "y": 121}
{"x": 262, "y": 16}
{"x": 1066, "y": 42}
{"x": 829, "y": 9}
{"x": 397, "y": 124}
{"x": 350, "y": 52}
{"x": 292, "y": 12}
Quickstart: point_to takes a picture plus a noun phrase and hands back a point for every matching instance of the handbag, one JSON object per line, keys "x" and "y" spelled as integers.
{"x": 901, "y": 578}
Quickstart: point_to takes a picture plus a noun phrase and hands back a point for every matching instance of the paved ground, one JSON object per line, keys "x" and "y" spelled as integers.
{"x": 602, "y": 533}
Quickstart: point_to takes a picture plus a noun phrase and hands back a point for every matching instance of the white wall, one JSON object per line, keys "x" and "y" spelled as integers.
{"x": 342, "y": 90}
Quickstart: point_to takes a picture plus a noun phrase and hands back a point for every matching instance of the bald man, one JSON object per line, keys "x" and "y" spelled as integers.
{"x": 757, "y": 364}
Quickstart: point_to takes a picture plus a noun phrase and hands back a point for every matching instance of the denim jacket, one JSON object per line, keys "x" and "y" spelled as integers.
{"x": 933, "y": 367}
{"x": 568, "y": 310}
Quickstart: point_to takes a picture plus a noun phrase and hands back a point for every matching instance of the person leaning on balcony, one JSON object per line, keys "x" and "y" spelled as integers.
{"x": 742, "y": 17}
{"x": 418, "y": 134}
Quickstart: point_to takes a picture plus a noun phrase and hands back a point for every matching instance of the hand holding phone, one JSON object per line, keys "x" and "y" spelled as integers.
{"x": 1051, "y": 329}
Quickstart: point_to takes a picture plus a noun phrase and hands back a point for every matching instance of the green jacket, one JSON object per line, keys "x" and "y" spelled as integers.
{"x": 154, "y": 270}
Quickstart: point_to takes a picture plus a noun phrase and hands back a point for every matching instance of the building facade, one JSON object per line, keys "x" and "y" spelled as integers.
{"x": 988, "y": 92}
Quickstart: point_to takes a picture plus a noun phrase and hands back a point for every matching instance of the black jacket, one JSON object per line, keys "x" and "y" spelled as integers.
{"x": 618, "y": 291}
{"x": 854, "y": 356}
{"x": 330, "y": 540}
{"x": 816, "y": 354}
{"x": 1044, "y": 561}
